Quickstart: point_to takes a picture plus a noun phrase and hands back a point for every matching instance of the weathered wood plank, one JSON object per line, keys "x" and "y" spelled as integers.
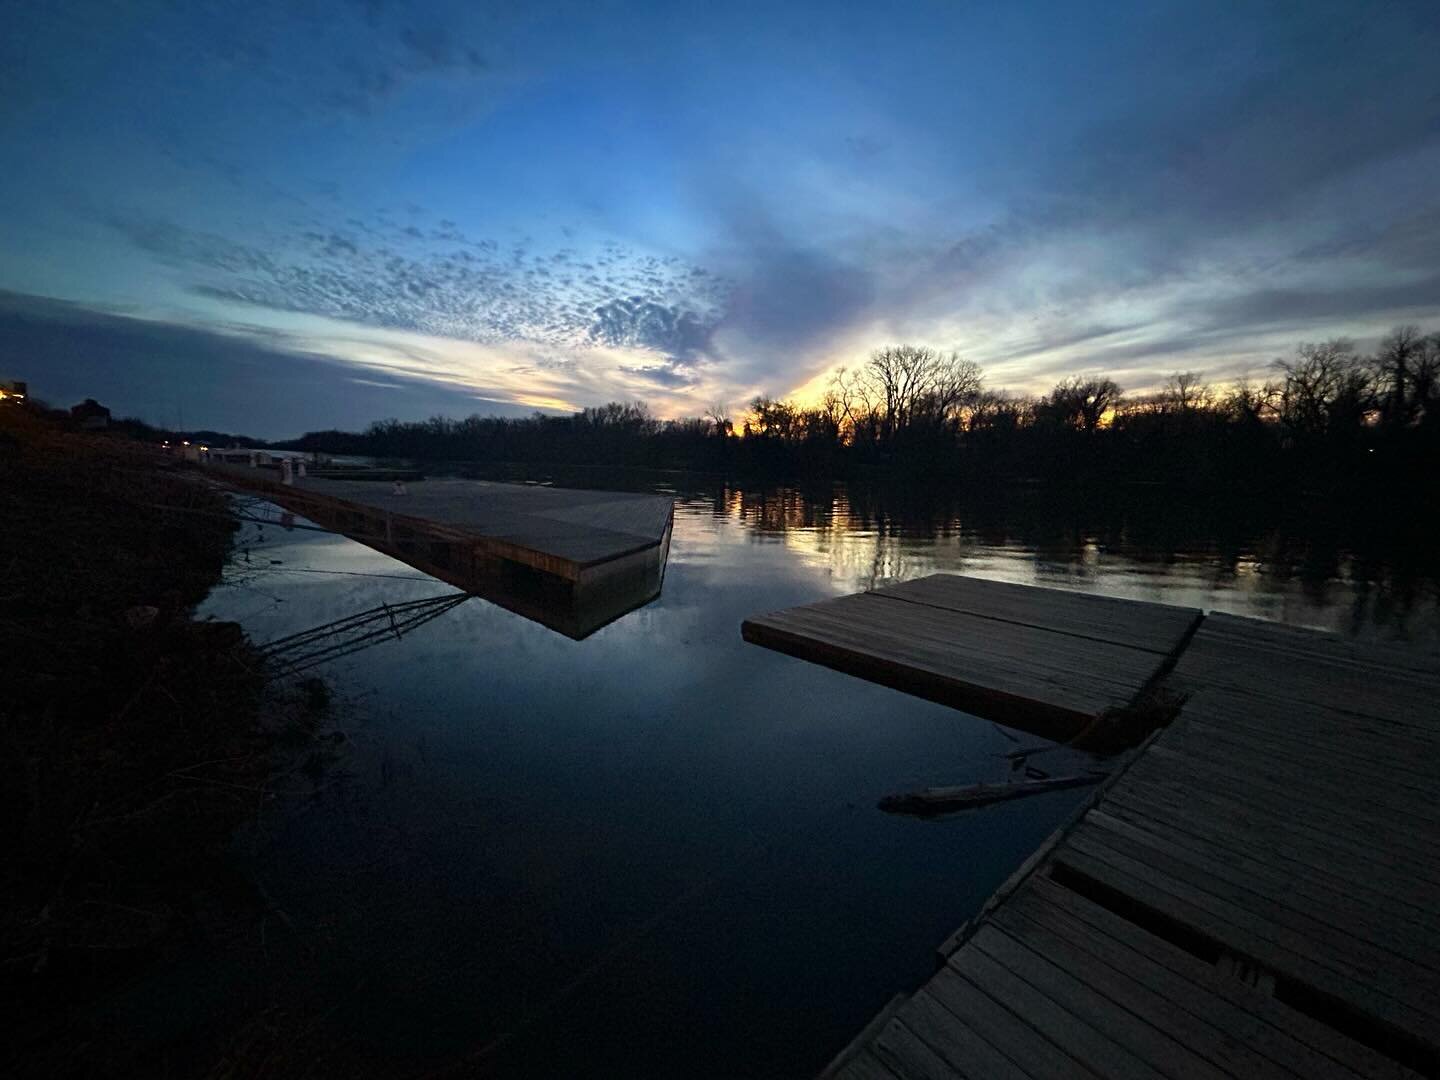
{"x": 1315, "y": 780}
{"x": 1373, "y": 741}
{"x": 1124, "y": 979}
{"x": 915, "y": 631}
{"x": 1308, "y": 668}
{"x": 1286, "y": 928}
{"x": 1359, "y": 761}
{"x": 1388, "y": 658}
{"x": 1288, "y": 818}
{"x": 1011, "y": 1034}
{"x": 909, "y": 1057}
{"x": 1096, "y": 1051}
{"x": 964, "y": 1048}
{"x": 1263, "y": 856}
{"x": 1081, "y": 985}
{"x": 1289, "y": 1037}
{"x": 865, "y": 1066}
{"x": 1352, "y": 819}
{"x": 859, "y": 1046}
{"x": 576, "y": 528}
{"x": 1135, "y": 624}
{"x": 1286, "y": 953}
{"x": 1034, "y": 658}
{"x": 1305, "y": 839}
{"x": 1412, "y": 943}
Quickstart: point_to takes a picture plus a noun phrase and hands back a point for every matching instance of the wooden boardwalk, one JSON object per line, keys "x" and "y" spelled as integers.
{"x": 1254, "y": 893}
{"x": 570, "y": 559}
{"x": 1039, "y": 659}
{"x": 560, "y": 529}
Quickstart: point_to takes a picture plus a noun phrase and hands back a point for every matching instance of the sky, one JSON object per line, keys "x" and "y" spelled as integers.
{"x": 277, "y": 217}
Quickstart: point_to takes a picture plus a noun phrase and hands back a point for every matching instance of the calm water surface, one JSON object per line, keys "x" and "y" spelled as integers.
{"x": 655, "y": 852}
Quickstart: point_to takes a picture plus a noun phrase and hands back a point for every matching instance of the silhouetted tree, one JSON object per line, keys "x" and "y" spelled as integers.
{"x": 1326, "y": 390}
{"x": 905, "y": 388}
{"x": 1081, "y": 402}
{"x": 1398, "y": 368}
{"x": 912, "y": 408}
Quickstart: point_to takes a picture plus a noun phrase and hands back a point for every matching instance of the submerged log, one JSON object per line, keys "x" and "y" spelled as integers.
{"x": 939, "y": 800}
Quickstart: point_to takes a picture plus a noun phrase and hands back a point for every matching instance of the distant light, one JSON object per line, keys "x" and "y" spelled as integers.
{"x": 185, "y": 443}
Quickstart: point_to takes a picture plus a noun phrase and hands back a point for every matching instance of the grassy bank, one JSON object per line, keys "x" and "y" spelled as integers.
{"x": 128, "y": 730}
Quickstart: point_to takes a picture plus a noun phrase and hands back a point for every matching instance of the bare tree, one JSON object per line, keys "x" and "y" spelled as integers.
{"x": 1186, "y": 393}
{"x": 1246, "y": 403}
{"x": 1395, "y": 365}
{"x": 904, "y": 386}
{"x": 1325, "y": 388}
{"x": 999, "y": 411}
{"x": 1082, "y": 402}
{"x": 774, "y": 419}
{"x": 719, "y": 416}
{"x": 1425, "y": 380}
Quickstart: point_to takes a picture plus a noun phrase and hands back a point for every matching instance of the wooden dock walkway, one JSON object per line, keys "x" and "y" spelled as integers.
{"x": 1039, "y": 659}
{"x": 573, "y": 560}
{"x": 1254, "y": 893}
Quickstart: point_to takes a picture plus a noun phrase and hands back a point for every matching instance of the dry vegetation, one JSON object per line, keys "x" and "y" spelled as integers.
{"x": 127, "y": 729}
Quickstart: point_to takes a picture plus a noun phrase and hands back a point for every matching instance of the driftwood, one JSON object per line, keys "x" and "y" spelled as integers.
{"x": 939, "y": 800}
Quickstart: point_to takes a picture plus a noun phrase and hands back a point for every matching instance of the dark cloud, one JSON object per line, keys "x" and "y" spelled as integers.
{"x": 793, "y": 295}
{"x": 398, "y": 52}
{"x": 400, "y": 277}
{"x": 666, "y": 328}
{"x": 1301, "y": 308}
{"x": 786, "y": 294}
{"x": 1409, "y": 241}
{"x": 1065, "y": 339}
{"x": 195, "y": 248}
{"x": 1301, "y": 103}
{"x": 1192, "y": 180}
{"x": 177, "y": 375}
{"x": 671, "y": 375}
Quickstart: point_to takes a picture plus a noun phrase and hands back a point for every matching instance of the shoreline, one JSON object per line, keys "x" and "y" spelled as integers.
{"x": 138, "y": 735}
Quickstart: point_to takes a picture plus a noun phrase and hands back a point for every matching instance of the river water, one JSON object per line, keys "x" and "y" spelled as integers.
{"x": 655, "y": 852}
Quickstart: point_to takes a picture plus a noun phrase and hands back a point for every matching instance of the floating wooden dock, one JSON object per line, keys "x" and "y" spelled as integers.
{"x": 1254, "y": 893}
{"x": 573, "y": 560}
{"x": 1039, "y": 659}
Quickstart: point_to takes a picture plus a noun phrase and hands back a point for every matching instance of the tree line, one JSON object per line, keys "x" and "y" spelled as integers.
{"x": 1327, "y": 412}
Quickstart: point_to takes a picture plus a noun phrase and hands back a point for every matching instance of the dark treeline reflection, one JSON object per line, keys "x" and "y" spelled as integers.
{"x": 1328, "y": 417}
{"x": 1311, "y": 543}
{"x": 1358, "y": 553}
{"x": 1379, "y": 564}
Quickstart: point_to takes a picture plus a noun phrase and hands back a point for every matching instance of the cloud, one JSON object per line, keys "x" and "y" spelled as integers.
{"x": 372, "y": 78}
{"x": 1184, "y": 189}
{"x": 666, "y": 328}
{"x": 672, "y": 375}
{"x": 444, "y": 283}
{"x": 177, "y": 375}
{"x": 1300, "y": 308}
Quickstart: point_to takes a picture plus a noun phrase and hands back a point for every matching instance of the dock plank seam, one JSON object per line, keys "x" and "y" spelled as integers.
{"x": 1208, "y": 848}
{"x": 882, "y": 595}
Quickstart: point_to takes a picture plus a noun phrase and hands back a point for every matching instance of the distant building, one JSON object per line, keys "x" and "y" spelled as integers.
{"x": 90, "y": 415}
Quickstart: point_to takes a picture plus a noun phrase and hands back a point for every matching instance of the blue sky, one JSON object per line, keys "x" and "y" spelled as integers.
{"x": 277, "y": 216}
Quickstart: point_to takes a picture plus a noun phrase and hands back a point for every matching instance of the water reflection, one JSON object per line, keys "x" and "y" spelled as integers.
{"x": 655, "y": 852}
{"x": 1324, "y": 567}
